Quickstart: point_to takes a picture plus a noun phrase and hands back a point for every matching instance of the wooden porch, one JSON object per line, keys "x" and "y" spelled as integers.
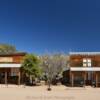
{"x": 84, "y": 76}
{"x": 10, "y": 76}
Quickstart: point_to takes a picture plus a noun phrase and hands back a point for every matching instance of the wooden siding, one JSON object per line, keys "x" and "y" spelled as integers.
{"x": 15, "y": 58}
{"x": 77, "y": 60}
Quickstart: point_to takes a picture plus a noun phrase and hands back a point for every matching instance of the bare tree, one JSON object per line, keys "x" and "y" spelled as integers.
{"x": 53, "y": 65}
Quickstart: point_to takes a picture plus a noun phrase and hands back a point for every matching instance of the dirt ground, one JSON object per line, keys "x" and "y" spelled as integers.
{"x": 14, "y": 92}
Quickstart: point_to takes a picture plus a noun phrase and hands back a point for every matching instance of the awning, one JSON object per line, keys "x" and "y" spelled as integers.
{"x": 10, "y": 65}
{"x": 84, "y": 68}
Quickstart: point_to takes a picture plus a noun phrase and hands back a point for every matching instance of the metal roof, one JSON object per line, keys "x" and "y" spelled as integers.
{"x": 84, "y": 53}
{"x": 13, "y": 54}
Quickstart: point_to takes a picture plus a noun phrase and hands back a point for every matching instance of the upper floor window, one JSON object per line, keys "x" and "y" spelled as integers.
{"x": 87, "y": 62}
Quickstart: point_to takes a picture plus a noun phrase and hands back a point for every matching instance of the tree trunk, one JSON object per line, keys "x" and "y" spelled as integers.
{"x": 49, "y": 85}
{"x": 30, "y": 79}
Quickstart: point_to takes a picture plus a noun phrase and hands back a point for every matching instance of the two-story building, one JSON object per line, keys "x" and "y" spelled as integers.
{"x": 84, "y": 66}
{"x": 10, "y": 68}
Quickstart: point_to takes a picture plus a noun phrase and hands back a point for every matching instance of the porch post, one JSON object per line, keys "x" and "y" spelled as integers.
{"x": 6, "y": 77}
{"x": 19, "y": 77}
{"x": 84, "y": 78}
{"x": 72, "y": 79}
{"x": 96, "y": 79}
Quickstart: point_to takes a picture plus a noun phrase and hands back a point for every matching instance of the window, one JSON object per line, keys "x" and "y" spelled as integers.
{"x": 13, "y": 74}
{"x": 84, "y": 60}
{"x": 84, "y": 64}
{"x": 87, "y": 62}
{"x": 14, "y": 71}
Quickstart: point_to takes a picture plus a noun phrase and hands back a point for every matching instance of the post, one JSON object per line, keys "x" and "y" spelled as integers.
{"x": 84, "y": 78}
{"x": 19, "y": 77}
{"x": 6, "y": 77}
{"x": 96, "y": 79}
{"x": 72, "y": 79}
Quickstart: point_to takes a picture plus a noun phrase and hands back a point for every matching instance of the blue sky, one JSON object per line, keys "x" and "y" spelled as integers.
{"x": 39, "y": 26}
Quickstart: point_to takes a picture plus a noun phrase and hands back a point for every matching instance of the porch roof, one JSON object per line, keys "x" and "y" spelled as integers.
{"x": 84, "y": 68}
{"x": 10, "y": 65}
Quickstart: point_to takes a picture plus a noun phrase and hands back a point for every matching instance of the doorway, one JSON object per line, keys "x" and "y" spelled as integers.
{"x": 90, "y": 78}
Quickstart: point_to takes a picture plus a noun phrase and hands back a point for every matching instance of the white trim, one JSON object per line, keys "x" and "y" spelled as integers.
{"x": 85, "y": 68}
{"x": 84, "y": 53}
{"x": 10, "y": 65}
